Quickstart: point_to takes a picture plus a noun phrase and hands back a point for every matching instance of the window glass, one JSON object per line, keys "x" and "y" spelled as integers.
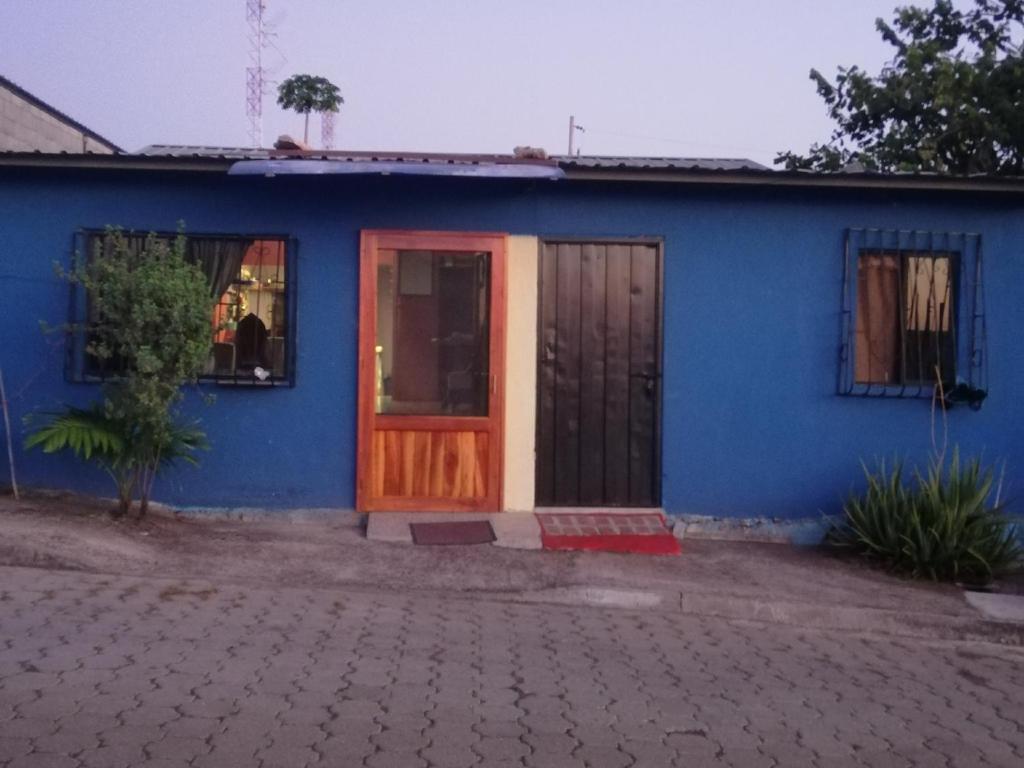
{"x": 250, "y": 319}
{"x": 432, "y": 340}
{"x": 904, "y": 318}
{"x": 249, "y": 323}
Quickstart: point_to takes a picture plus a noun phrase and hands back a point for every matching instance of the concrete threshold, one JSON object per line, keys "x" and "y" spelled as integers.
{"x": 513, "y": 530}
{"x": 599, "y": 511}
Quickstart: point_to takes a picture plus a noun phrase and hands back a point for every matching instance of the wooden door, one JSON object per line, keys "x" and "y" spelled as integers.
{"x": 431, "y": 371}
{"x": 599, "y": 374}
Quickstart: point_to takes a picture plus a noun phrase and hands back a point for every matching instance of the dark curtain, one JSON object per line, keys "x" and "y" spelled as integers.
{"x": 220, "y": 260}
{"x": 105, "y": 243}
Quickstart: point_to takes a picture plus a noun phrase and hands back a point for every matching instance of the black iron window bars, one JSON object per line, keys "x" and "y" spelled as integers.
{"x": 253, "y": 280}
{"x": 913, "y": 316}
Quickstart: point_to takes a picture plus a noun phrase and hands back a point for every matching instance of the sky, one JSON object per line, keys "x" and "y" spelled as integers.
{"x": 693, "y": 78}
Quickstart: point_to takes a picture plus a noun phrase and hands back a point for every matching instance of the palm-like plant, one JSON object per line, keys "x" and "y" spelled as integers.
{"x": 86, "y": 432}
{"x": 308, "y": 93}
{"x": 128, "y": 454}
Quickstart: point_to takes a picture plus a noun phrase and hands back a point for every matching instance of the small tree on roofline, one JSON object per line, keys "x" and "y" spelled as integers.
{"x": 307, "y": 93}
{"x": 948, "y": 102}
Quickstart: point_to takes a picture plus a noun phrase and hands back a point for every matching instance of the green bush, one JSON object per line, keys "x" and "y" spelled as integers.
{"x": 149, "y": 310}
{"x": 949, "y": 525}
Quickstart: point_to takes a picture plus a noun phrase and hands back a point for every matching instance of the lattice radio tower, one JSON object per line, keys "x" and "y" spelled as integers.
{"x": 327, "y": 130}
{"x": 255, "y": 73}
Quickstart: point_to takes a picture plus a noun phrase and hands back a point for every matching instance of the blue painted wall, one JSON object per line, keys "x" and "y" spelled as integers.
{"x": 752, "y": 424}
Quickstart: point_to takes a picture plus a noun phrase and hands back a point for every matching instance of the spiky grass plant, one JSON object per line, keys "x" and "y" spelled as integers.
{"x": 949, "y": 525}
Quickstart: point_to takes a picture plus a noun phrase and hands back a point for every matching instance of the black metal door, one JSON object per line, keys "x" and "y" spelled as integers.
{"x": 599, "y": 374}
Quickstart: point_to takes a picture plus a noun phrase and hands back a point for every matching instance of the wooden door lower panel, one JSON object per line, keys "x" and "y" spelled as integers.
{"x": 448, "y": 466}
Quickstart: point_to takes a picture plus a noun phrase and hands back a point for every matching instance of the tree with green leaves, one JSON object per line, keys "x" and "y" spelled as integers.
{"x": 307, "y": 93}
{"x": 149, "y": 321}
{"x": 951, "y": 100}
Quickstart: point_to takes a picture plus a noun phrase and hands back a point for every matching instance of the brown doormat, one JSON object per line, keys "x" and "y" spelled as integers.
{"x": 468, "y": 532}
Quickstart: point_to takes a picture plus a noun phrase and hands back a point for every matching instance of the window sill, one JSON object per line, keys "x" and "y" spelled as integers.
{"x": 220, "y": 381}
{"x": 959, "y": 394}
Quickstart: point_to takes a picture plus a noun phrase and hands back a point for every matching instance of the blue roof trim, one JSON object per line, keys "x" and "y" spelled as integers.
{"x": 296, "y": 167}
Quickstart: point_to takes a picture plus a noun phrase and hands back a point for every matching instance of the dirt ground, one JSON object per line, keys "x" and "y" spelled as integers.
{"x": 740, "y": 580}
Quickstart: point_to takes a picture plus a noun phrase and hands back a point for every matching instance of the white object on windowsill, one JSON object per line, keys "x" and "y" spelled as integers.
{"x": 261, "y": 373}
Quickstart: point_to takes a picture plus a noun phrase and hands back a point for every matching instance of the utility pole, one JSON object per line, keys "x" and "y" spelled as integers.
{"x": 572, "y": 133}
{"x": 7, "y": 432}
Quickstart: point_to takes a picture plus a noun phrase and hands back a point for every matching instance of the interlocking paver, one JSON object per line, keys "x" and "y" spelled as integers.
{"x": 12, "y": 747}
{"x": 494, "y": 748}
{"x": 120, "y": 756}
{"x": 43, "y": 760}
{"x": 451, "y": 756}
{"x": 102, "y": 672}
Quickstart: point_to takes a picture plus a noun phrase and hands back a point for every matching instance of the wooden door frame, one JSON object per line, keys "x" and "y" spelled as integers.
{"x": 371, "y": 241}
{"x": 658, "y": 242}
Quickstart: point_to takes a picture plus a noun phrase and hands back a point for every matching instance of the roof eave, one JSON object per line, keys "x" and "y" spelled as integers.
{"x": 101, "y": 161}
{"x": 769, "y": 178}
{"x": 693, "y": 177}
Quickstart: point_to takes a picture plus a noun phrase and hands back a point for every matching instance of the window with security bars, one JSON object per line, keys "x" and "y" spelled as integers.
{"x": 913, "y": 315}
{"x": 252, "y": 324}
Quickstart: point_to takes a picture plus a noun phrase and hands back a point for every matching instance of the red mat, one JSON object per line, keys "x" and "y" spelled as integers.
{"x": 641, "y": 533}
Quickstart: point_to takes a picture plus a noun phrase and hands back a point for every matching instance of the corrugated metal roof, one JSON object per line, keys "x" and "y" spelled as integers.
{"x": 715, "y": 171}
{"x": 31, "y": 98}
{"x": 190, "y": 150}
{"x": 304, "y": 166}
{"x": 609, "y": 162}
{"x": 240, "y": 153}
{"x": 604, "y": 162}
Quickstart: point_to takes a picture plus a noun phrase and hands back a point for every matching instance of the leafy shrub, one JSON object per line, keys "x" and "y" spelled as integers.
{"x": 149, "y": 310}
{"x": 949, "y": 525}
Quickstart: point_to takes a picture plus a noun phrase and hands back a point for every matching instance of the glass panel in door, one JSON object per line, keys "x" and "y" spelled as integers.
{"x": 432, "y": 333}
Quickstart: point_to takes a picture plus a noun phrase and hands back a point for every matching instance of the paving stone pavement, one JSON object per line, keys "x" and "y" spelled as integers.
{"x": 109, "y": 672}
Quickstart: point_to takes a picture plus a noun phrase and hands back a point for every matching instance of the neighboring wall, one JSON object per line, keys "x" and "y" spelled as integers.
{"x": 521, "y": 373}
{"x": 27, "y": 124}
{"x": 752, "y": 424}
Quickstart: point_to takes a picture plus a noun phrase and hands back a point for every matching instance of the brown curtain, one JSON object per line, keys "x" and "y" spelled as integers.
{"x": 877, "y": 343}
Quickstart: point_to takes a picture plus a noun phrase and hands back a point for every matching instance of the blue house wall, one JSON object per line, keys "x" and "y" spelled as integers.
{"x": 752, "y": 424}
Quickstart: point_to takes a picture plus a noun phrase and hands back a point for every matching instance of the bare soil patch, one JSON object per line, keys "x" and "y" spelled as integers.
{"x": 77, "y": 533}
